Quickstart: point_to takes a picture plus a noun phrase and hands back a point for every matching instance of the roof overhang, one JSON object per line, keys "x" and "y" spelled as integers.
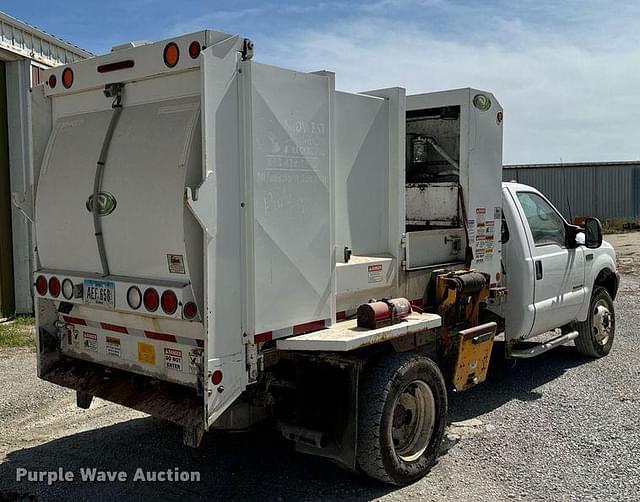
{"x": 23, "y": 40}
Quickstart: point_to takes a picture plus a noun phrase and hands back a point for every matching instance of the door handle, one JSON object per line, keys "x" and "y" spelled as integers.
{"x": 538, "y": 270}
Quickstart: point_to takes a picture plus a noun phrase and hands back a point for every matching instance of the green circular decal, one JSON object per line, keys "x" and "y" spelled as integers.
{"x": 482, "y": 102}
{"x": 106, "y": 203}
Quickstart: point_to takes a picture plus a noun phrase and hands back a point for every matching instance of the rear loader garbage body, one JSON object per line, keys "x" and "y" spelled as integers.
{"x": 183, "y": 206}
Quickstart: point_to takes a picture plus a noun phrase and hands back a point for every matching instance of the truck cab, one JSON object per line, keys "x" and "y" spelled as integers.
{"x": 551, "y": 268}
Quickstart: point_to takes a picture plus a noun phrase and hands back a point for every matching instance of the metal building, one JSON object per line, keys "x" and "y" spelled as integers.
{"x": 609, "y": 191}
{"x": 25, "y": 52}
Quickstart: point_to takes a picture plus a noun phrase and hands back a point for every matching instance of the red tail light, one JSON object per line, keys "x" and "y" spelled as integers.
{"x": 169, "y": 302}
{"x": 194, "y": 49}
{"x": 216, "y": 377}
{"x": 52, "y": 81}
{"x": 190, "y": 310}
{"x": 151, "y": 300}
{"x": 41, "y": 285}
{"x": 54, "y": 287}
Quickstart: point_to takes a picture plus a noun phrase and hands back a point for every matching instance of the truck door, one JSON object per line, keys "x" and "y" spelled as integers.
{"x": 558, "y": 285}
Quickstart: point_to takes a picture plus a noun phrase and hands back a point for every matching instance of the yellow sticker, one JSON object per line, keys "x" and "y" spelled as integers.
{"x": 146, "y": 353}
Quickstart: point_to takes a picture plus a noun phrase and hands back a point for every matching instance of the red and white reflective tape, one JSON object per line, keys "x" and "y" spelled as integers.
{"x": 141, "y": 333}
{"x": 298, "y": 329}
{"x": 309, "y": 327}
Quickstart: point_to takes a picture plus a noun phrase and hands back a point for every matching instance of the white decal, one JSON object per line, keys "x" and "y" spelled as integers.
{"x": 90, "y": 341}
{"x": 375, "y": 273}
{"x": 173, "y": 359}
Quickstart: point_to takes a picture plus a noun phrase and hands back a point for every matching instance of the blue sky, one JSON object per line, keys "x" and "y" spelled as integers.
{"x": 567, "y": 72}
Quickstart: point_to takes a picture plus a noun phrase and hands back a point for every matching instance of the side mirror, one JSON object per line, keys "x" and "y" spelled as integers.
{"x": 592, "y": 233}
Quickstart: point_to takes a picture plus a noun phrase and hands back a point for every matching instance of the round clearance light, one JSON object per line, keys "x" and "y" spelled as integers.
{"x": 67, "y": 289}
{"x": 194, "y": 49}
{"x": 190, "y": 310}
{"x": 171, "y": 54}
{"x": 482, "y": 102}
{"x": 151, "y": 300}
{"x": 41, "y": 285}
{"x": 216, "y": 377}
{"x": 134, "y": 297}
{"x": 67, "y": 77}
{"x": 52, "y": 81}
{"x": 169, "y": 302}
{"x": 54, "y": 287}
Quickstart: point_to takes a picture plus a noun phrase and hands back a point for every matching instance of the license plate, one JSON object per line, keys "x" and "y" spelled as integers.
{"x": 100, "y": 293}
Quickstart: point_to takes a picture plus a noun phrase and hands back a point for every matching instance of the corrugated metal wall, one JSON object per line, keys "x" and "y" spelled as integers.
{"x": 6, "y": 249}
{"x": 608, "y": 190}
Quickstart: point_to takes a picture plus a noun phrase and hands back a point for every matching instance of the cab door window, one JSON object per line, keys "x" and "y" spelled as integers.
{"x": 546, "y": 225}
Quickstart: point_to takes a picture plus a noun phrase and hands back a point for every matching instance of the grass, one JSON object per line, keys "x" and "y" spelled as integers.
{"x": 17, "y": 332}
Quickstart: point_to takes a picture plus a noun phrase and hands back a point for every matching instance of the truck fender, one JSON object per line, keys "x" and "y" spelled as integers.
{"x": 602, "y": 273}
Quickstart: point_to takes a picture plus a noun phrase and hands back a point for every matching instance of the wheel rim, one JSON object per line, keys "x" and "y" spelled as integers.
{"x": 413, "y": 420}
{"x": 602, "y": 322}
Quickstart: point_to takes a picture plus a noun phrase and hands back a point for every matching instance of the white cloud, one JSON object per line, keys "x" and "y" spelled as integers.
{"x": 570, "y": 84}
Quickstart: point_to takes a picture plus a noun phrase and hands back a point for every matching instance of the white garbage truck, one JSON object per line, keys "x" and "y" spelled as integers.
{"x": 220, "y": 242}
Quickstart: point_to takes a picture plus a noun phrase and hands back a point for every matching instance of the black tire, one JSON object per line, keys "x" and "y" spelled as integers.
{"x": 406, "y": 376}
{"x": 595, "y": 335}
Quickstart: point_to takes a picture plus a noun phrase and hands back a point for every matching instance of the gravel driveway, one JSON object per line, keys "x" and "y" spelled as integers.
{"x": 557, "y": 427}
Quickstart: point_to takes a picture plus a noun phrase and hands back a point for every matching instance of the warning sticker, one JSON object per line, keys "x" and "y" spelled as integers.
{"x": 375, "y": 273}
{"x": 90, "y": 340}
{"x": 146, "y": 353}
{"x": 176, "y": 263}
{"x": 112, "y": 345}
{"x": 173, "y": 359}
{"x": 194, "y": 362}
{"x": 481, "y": 213}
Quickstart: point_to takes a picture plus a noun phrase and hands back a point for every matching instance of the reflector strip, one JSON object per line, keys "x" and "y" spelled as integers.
{"x": 74, "y": 320}
{"x": 263, "y": 337}
{"x": 341, "y": 315}
{"x": 160, "y": 336}
{"x": 165, "y": 337}
{"x": 307, "y": 327}
{"x": 114, "y": 327}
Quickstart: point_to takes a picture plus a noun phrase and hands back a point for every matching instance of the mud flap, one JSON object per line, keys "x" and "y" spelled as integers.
{"x": 330, "y": 382}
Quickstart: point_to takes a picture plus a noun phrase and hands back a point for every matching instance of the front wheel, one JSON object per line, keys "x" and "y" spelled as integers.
{"x": 595, "y": 335}
{"x": 401, "y": 418}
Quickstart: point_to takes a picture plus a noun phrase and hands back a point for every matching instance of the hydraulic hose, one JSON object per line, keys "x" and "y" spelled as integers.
{"x": 115, "y": 91}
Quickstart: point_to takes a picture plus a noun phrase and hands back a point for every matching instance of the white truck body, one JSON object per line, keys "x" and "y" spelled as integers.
{"x": 274, "y": 204}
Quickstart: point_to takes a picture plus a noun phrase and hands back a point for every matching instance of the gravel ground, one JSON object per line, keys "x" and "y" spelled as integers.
{"x": 558, "y": 427}
{"x": 627, "y": 247}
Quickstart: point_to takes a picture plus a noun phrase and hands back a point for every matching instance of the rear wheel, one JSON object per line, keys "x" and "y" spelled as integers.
{"x": 595, "y": 335}
{"x": 402, "y": 417}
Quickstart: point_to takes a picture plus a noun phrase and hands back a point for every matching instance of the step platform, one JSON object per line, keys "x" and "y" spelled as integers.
{"x": 345, "y": 336}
